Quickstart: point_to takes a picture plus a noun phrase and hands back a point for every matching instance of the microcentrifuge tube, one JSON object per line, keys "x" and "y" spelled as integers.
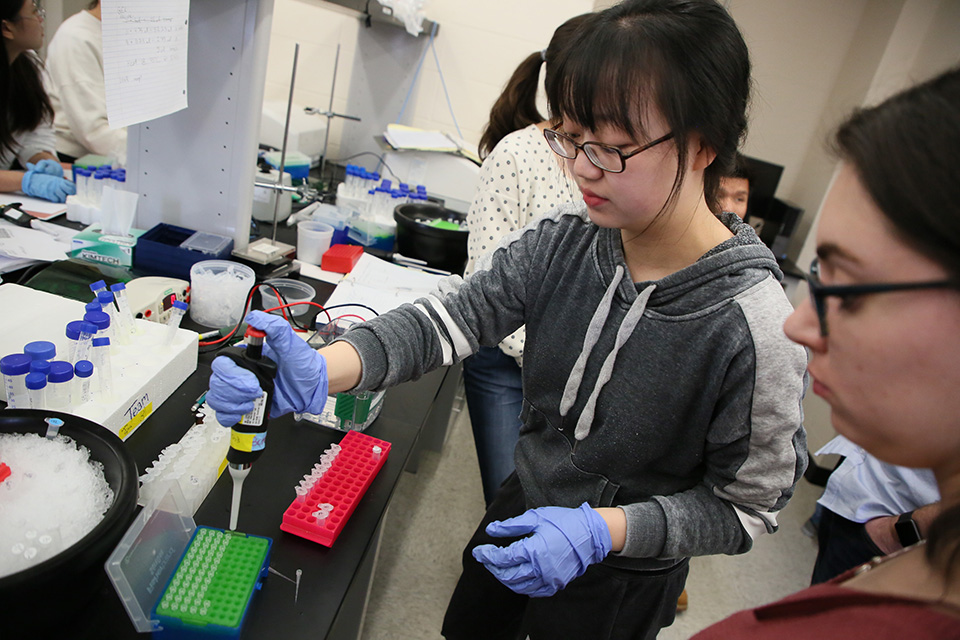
{"x": 123, "y": 307}
{"x": 376, "y": 452}
{"x": 173, "y": 322}
{"x": 53, "y": 427}
{"x": 101, "y": 364}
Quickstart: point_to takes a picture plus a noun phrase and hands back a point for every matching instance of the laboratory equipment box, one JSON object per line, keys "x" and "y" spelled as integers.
{"x": 169, "y": 250}
{"x": 209, "y": 576}
{"x": 330, "y": 493}
{"x": 146, "y": 370}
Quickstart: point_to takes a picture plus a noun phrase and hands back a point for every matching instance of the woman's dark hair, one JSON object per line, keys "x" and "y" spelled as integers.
{"x": 25, "y": 101}
{"x": 685, "y": 58}
{"x": 516, "y": 107}
{"x": 906, "y": 152}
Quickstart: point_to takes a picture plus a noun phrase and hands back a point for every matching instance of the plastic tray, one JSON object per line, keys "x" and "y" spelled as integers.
{"x": 208, "y": 243}
{"x": 155, "y": 550}
{"x": 210, "y": 592}
{"x": 342, "y": 485}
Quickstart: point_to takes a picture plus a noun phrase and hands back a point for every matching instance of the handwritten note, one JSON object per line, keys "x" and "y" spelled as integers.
{"x": 144, "y": 58}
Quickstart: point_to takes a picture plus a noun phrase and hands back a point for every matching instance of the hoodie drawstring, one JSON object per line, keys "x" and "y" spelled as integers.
{"x": 590, "y": 340}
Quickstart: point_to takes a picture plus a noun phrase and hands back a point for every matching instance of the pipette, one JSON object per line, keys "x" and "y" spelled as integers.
{"x": 248, "y": 437}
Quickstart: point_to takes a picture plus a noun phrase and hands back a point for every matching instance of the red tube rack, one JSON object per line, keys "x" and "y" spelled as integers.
{"x": 343, "y": 484}
{"x": 4, "y": 471}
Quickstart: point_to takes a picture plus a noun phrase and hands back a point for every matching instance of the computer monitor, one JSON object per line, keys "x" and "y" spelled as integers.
{"x": 764, "y": 177}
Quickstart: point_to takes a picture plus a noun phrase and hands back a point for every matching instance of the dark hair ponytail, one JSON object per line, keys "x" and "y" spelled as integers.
{"x": 25, "y": 102}
{"x": 516, "y": 107}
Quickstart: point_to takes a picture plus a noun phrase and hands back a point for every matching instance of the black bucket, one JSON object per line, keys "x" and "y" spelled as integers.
{"x": 441, "y": 248}
{"x": 48, "y": 596}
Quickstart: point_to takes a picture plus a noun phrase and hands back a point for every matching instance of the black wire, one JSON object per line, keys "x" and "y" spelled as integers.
{"x": 368, "y": 153}
{"x": 352, "y": 304}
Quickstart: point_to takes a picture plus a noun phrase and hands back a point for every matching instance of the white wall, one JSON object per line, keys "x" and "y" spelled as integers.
{"x": 479, "y": 44}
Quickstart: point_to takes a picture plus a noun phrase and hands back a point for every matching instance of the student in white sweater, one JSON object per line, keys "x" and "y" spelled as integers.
{"x": 77, "y": 92}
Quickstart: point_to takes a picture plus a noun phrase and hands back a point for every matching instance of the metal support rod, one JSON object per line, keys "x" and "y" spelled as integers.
{"x": 286, "y": 131}
{"x": 326, "y": 135}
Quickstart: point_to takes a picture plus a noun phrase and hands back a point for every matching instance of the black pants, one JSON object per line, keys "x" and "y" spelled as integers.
{"x": 603, "y": 603}
{"x": 844, "y": 544}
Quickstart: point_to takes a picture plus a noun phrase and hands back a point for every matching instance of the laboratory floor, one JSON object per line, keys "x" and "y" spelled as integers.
{"x": 435, "y": 511}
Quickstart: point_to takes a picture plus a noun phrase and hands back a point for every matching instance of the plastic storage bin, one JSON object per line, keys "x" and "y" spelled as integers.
{"x": 291, "y": 290}
{"x": 164, "y": 546}
{"x": 161, "y": 250}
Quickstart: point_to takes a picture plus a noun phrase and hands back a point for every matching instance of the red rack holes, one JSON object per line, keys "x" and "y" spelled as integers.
{"x": 343, "y": 486}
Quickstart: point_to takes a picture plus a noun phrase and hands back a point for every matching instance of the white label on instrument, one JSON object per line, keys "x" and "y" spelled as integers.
{"x": 255, "y": 416}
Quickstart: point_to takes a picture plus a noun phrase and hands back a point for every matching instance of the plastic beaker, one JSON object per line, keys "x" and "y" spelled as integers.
{"x": 313, "y": 240}
{"x": 218, "y": 292}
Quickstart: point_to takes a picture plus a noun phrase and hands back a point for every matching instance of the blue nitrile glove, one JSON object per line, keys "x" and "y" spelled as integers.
{"x": 564, "y": 542}
{"x": 301, "y": 384}
{"x": 47, "y": 166}
{"x": 232, "y": 391}
{"x": 48, "y": 187}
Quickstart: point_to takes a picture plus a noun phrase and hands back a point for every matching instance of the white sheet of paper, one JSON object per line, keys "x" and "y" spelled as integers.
{"x": 21, "y": 243}
{"x": 144, "y": 58}
{"x": 43, "y": 209}
{"x": 381, "y": 285}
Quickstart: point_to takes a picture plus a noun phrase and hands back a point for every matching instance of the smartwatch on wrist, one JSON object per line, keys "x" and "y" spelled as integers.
{"x": 907, "y": 530}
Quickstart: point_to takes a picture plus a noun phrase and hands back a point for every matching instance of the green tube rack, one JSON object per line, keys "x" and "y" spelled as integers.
{"x": 209, "y": 593}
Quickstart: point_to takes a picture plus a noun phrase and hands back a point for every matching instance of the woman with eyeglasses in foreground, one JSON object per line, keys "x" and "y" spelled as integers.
{"x": 661, "y": 413}
{"x": 26, "y": 121}
{"x": 883, "y": 331}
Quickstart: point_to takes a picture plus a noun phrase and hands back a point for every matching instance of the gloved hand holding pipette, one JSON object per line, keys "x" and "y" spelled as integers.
{"x": 560, "y": 546}
{"x": 42, "y": 184}
{"x": 300, "y": 384}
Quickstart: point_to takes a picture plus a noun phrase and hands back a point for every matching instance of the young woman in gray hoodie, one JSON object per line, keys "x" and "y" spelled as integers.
{"x": 661, "y": 414}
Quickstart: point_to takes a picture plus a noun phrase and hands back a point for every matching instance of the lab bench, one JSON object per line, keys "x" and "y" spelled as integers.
{"x": 335, "y": 580}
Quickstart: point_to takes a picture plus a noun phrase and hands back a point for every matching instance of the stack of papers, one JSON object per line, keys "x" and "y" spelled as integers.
{"x": 42, "y": 209}
{"x": 380, "y": 285}
{"x": 20, "y": 247}
{"x": 409, "y": 138}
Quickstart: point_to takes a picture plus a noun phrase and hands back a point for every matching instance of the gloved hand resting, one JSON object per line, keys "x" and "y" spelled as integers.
{"x": 43, "y": 185}
{"x": 300, "y": 385}
{"x": 47, "y": 166}
{"x": 564, "y": 542}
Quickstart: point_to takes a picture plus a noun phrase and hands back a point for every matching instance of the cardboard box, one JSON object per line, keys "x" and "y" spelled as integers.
{"x": 94, "y": 246}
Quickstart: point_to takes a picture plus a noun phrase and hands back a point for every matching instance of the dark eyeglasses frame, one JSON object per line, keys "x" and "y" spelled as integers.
{"x": 819, "y": 292}
{"x": 39, "y": 13}
{"x": 553, "y": 134}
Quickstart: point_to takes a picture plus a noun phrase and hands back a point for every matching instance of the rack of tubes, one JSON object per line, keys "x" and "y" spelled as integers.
{"x": 329, "y": 493}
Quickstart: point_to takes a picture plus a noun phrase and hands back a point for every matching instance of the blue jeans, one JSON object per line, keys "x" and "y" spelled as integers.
{"x": 494, "y": 390}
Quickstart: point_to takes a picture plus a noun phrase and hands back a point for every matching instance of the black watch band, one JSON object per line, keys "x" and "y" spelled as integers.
{"x": 907, "y": 530}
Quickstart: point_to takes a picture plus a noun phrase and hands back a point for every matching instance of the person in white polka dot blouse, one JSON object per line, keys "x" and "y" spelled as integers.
{"x": 521, "y": 178}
